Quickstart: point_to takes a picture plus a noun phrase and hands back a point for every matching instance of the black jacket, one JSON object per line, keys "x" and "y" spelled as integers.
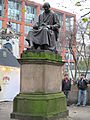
{"x": 66, "y": 85}
{"x": 82, "y": 84}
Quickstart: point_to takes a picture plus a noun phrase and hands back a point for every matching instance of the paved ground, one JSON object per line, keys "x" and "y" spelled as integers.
{"x": 75, "y": 113}
{"x": 79, "y": 113}
{"x": 5, "y": 110}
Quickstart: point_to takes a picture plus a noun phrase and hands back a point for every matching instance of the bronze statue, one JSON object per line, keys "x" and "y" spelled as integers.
{"x": 45, "y": 31}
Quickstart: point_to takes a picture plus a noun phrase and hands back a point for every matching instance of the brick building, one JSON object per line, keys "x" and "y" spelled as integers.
{"x": 23, "y": 13}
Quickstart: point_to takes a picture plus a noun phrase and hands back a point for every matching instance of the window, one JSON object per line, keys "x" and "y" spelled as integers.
{"x": 32, "y": 10}
{"x": 30, "y": 14}
{"x": 14, "y": 10}
{"x": 71, "y": 57}
{"x": 0, "y": 24}
{"x": 0, "y": 2}
{"x": 17, "y": 6}
{"x": 71, "y": 66}
{"x": 27, "y": 29}
{"x": 16, "y": 27}
{"x": 4, "y": 53}
{"x": 60, "y": 16}
{"x": 69, "y": 23}
{"x": 69, "y": 35}
{"x": 66, "y": 67}
{"x": 1, "y": 8}
{"x": 68, "y": 56}
{"x": 0, "y": 13}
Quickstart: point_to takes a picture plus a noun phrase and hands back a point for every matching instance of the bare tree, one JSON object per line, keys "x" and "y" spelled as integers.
{"x": 82, "y": 49}
{"x": 84, "y": 37}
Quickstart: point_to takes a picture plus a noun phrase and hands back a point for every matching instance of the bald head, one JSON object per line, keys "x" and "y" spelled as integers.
{"x": 46, "y": 7}
{"x": 46, "y": 4}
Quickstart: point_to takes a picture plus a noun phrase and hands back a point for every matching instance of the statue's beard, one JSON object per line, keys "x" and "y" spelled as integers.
{"x": 47, "y": 11}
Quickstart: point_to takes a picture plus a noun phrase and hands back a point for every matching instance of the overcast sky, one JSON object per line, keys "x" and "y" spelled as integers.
{"x": 69, "y": 6}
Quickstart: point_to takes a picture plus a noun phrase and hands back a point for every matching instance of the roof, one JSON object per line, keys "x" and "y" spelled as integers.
{"x": 7, "y": 58}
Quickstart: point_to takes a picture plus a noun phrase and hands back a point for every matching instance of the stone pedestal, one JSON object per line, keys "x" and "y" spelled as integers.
{"x": 40, "y": 76}
{"x": 40, "y": 97}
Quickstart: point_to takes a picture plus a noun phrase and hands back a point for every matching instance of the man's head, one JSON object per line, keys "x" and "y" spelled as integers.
{"x": 82, "y": 75}
{"x": 66, "y": 76}
{"x": 46, "y": 7}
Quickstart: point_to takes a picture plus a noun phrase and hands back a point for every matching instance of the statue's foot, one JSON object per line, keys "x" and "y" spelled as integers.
{"x": 53, "y": 50}
{"x": 44, "y": 47}
{"x": 32, "y": 48}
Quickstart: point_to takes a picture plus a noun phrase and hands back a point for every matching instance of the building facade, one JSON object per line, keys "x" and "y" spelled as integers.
{"x": 23, "y": 13}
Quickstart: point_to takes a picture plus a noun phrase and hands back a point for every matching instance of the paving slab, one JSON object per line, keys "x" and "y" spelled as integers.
{"x": 5, "y": 110}
{"x": 79, "y": 113}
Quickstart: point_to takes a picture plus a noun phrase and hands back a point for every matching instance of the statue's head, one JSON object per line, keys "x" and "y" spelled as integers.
{"x": 46, "y": 7}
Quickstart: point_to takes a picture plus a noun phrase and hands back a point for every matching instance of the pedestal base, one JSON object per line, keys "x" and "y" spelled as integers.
{"x": 39, "y": 107}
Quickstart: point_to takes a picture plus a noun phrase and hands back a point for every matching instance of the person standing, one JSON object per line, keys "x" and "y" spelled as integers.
{"x": 82, "y": 85}
{"x": 66, "y": 87}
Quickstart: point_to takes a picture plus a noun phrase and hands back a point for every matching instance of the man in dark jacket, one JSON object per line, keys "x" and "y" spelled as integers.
{"x": 82, "y": 85}
{"x": 66, "y": 86}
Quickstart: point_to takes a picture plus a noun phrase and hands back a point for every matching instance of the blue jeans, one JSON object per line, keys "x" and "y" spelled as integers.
{"x": 82, "y": 97}
{"x": 67, "y": 95}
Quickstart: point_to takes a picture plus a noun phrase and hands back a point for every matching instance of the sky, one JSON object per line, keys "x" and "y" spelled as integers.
{"x": 69, "y": 6}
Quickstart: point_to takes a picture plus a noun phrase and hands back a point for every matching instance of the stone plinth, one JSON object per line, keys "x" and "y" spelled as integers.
{"x": 39, "y": 107}
{"x": 40, "y": 76}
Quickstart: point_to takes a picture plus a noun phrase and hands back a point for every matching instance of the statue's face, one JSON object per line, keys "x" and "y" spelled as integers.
{"x": 46, "y": 8}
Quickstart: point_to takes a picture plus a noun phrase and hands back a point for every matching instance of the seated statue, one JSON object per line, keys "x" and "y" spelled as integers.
{"x": 45, "y": 31}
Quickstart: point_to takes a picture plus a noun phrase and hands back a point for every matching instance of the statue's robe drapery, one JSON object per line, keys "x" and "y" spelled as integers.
{"x": 45, "y": 35}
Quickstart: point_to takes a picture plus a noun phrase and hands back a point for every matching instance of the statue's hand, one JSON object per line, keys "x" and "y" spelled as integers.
{"x": 54, "y": 27}
{"x": 49, "y": 26}
{"x": 43, "y": 24}
{"x": 35, "y": 26}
